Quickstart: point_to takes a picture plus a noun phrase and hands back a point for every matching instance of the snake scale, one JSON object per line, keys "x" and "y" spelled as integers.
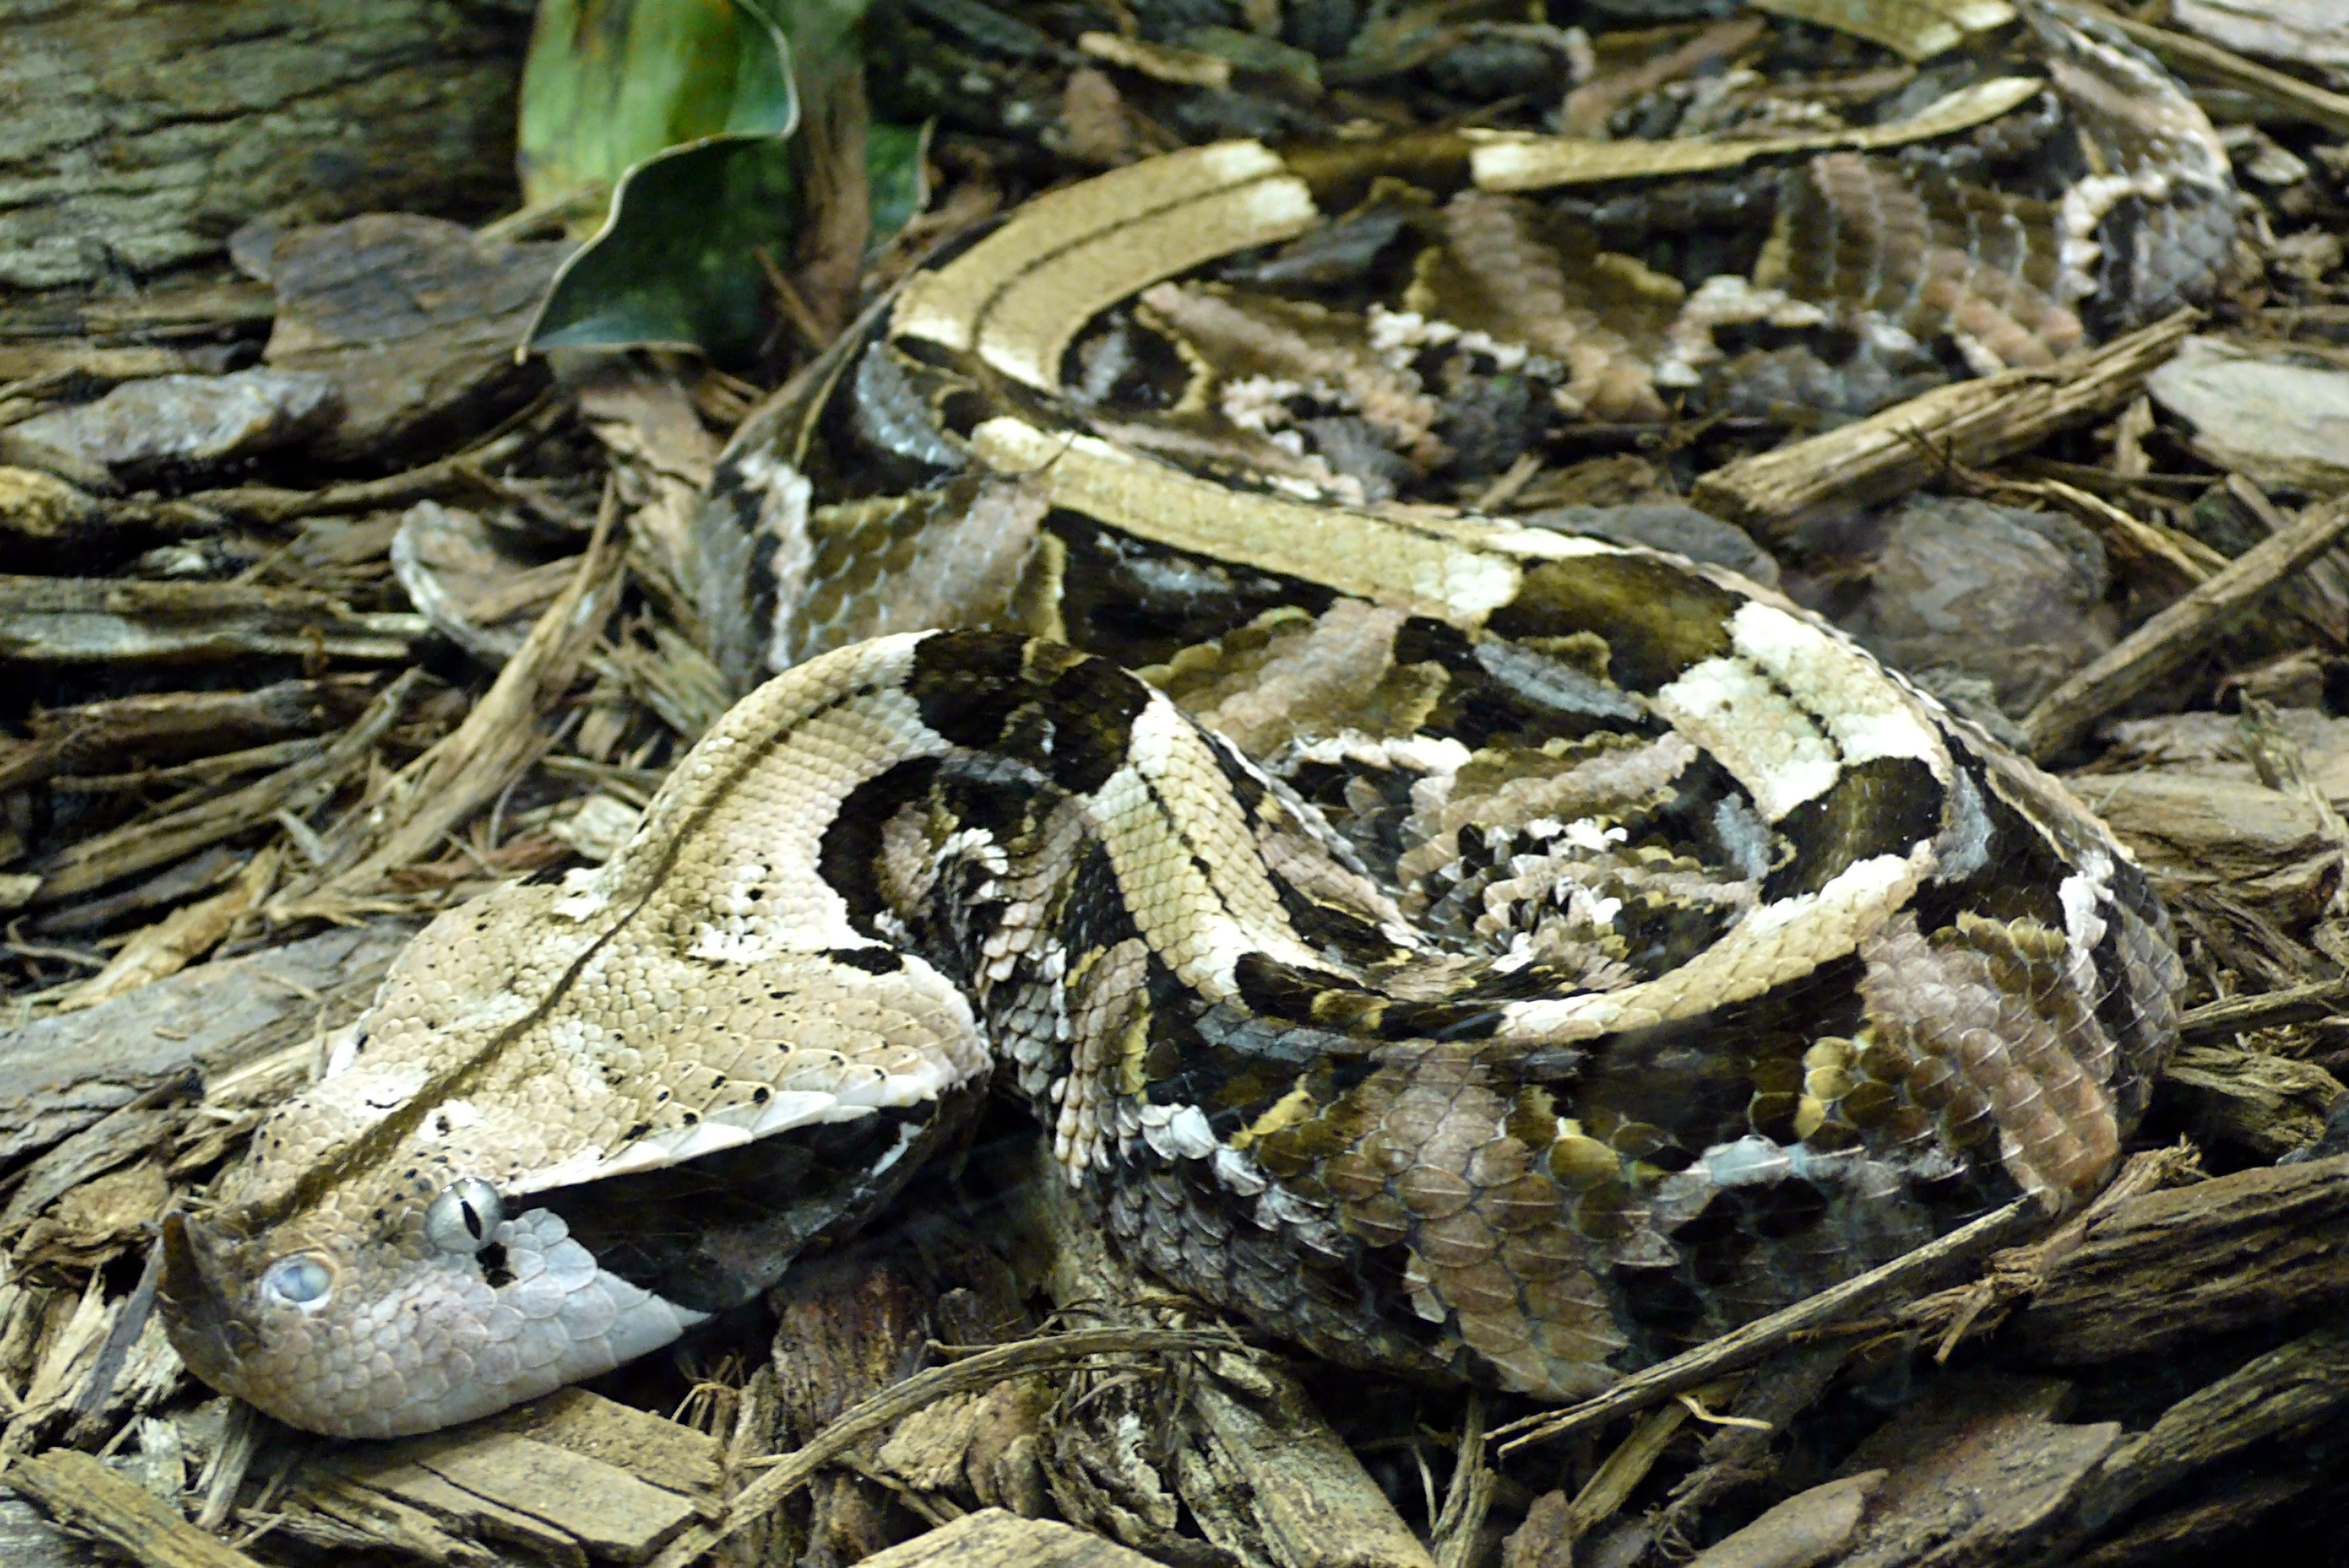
{"x": 1462, "y": 947}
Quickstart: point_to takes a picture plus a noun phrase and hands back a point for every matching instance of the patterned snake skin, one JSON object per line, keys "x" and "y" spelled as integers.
{"x": 1463, "y": 948}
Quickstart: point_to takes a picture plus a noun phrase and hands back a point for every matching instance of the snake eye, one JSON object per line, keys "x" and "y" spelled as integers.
{"x": 301, "y": 1280}
{"x": 465, "y": 1217}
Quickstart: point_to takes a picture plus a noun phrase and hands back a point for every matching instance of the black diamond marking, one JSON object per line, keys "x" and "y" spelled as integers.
{"x": 851, "y": 842}
{"x": 1658, "y": 619}
{"x": 1885, "y": 806}
{"x": 872, "y": 960}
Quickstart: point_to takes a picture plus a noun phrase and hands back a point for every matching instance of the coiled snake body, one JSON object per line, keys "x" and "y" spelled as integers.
{"x": 1464, "y": 948}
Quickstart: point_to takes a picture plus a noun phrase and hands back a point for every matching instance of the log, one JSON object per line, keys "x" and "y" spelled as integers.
{"x": 2171, "y": 1267}
{"x": 164, "y": 125}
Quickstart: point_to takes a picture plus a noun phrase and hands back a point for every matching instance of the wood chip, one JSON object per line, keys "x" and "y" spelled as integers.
{"x": 1903, "y": 446}
{"x": 2184, "y": 629}
{"x": 66, "y": 1072}
{"x": 994, "y": 1539}
{"x": 139, "y": 845}
{"x": 106, "y": 620}
{"x": 82, "y": 1491}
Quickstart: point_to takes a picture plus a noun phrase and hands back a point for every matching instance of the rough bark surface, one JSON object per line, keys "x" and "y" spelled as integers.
{"x": 140, "y": 133}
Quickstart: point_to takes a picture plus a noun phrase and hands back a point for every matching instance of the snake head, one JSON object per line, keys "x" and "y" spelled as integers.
{"x": 391, "y": 1320}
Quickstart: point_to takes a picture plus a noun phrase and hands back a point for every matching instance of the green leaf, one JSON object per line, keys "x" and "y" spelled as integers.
{"x": 677, "y": 264}
{"x": 894, "y": 170}
{"x": 610, "y": 83}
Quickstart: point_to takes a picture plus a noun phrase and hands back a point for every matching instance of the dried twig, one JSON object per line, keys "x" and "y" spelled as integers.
{"x": 459, "y": 472}
{"x": 1971, "y": 422}
{"x": 96, "y": 860}
{"x": 2279, "y": 93}
{"x": 91, "y": 620}
{"x": 1743, "y": 1347}
{"x": 788, "y": 1472}
{"x": 2184, "y": 629}
{"x": 468, "y": 768}
{"x": 2231, "y": 1016}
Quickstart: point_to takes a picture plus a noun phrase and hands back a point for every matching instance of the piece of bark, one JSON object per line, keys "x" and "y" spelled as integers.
{"x": 2231, "y": 1016}
{"x": 2269, "y": 1103}
{"x": 165, "y": 726}
{"x": 203, "y": 303}
{"x": 357, "y": 1517}
{"x": 145, "y": 1126}
{"x": 2160, "y": 1270}
{"x": 1306, "y": 1495}
{"x": 64, "y": 1073}
{"x": 82, "y": 1490}
{"x": 178, "y": 940}
{"x": 846, "y": 1330}
{"x": 97, "y": 1222}
{"x": 828, "y": 160}
{"x": 175, "y": 426}
{"x": 994, "y": 1539}
{"x": 41, "y": 508}
{"x": 201, "y": 873}
{"x": 2184, "y": 629}
{"x": 2198, "y": 1531}
{"x": 27, "y": 1539}
{"x": 2284, "y": 97}
{"x": 789, "y": 1473}
{"x": 476, "y": 594}
{"x": 459, "y": 476}
{"x": 138, "y": 845}
{"x": 414, "y": 322}
{"x": 1625, "y": 1467}
{"x": 104, "y": 620}
{"x": 1809, "y": 1527}
{"x": 2194, "y": 830}
{"x": 573, "y": 1476}
{"x": 1740, "y": 1454}
{"x": 1905, "y": 445}
{"x": 163, "y": 124}
{"x": 1546, "y": 1540}
{"x": 2291, "y": 1389}
{"x": 661, "y": 457}
{"x": 2314, "y": 35}
{"x": 1310, "y": 1492}
{"x": 2258, "y": 409}
{"x": 1978, "y": 1471}
{"x": 2017, "y": 1273}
